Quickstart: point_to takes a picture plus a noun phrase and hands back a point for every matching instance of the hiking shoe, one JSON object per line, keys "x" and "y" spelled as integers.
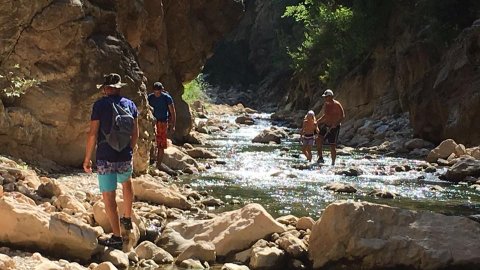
{"x": 127, "y": 223}
{"x": 115, "y": 242}
{"x": 320, "y": 160}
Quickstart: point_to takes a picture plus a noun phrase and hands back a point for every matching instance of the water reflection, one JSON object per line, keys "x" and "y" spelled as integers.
{"x": 267, "y": 174}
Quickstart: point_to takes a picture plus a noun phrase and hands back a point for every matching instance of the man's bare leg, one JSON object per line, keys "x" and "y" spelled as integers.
{"x": 111, "y": 210}
{"x": 319, "y": 142}
{"x": 127, "y": 198}
{"x": 333, "y": 152}
{"x": 160, "y": 154}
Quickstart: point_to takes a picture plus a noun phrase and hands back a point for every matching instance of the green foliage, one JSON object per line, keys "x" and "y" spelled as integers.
{"x": 439, "y": 22}
{"x": 195, "y": 90}
{"x": 337, "y": 34}
{"x": 13, "y": 83}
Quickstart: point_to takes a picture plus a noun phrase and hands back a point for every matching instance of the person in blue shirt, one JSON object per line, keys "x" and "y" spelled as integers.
{"x": 165, "y": 116}
{"x": 112, "y": 166}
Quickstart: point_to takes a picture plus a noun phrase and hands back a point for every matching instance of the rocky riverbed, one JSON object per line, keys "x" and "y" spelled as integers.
{"x": 53, "y": 221}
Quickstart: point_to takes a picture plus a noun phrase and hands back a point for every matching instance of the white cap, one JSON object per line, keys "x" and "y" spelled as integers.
{"x": 310, "y": 112}
{"x": 328, "y": 93}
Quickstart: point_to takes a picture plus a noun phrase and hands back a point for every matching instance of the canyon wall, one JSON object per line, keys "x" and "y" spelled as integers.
{"x": 416, "y": 68}
{"x": 67, "y": 46}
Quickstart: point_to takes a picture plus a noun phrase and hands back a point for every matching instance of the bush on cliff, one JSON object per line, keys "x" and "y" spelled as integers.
{"x": 341, "y": 34}
{"x": 195, "y": 90}
{"x": 337, "y": 33}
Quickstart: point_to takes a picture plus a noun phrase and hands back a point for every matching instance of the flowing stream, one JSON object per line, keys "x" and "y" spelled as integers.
{"x": 266, "y": 174}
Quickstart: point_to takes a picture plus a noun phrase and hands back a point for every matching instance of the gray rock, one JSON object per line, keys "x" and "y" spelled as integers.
{"x": 245, "y": 120}
{"x": 340, "y": 187}
{"x": 211, "y": 201}
{"x": 10, "y": 187}
{"x": 266, "y": 137}
{"x": 465, "y": 166}
{"x": 418, "y": 144}
{"x": 385, "y": 194}
{"x": 350, "y": 172}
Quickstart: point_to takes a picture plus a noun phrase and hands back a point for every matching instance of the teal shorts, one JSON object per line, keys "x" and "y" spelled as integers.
{"x": 111, "y": 173}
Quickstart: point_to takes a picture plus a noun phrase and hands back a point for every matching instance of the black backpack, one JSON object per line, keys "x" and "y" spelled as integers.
{"x": 122, "y": 128}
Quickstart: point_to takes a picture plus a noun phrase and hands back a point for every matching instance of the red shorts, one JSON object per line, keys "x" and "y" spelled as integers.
{"x": 161, "y": 134}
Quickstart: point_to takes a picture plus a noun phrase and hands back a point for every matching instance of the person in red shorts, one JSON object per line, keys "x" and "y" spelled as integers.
{"x": 164, "y": 113}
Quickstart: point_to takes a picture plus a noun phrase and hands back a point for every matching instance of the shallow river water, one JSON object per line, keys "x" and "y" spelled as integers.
{"x": 265, "y": 174}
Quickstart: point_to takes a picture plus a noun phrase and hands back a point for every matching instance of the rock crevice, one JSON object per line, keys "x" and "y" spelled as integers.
{"x": 67, "y": 46}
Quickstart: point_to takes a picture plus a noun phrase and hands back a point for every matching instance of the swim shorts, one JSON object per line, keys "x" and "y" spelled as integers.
{"x": 308, "y": 139}
{"x": 329, "y": 134}
{"x": 111, "y": 173}
{"x": 161, "y": 134}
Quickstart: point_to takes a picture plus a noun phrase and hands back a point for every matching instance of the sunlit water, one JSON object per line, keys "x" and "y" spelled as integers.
{"x": 265, "y": 174}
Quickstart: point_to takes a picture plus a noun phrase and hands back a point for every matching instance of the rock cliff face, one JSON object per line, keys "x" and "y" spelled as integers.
{"x": 407, "y": 72}
{"x": 251, "y": 61}
{"x": 439, "y": 88}
{"x": 68, "y": 45}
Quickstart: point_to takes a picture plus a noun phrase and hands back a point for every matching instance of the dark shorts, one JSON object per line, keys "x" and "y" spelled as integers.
{"x": 329, "y": 134}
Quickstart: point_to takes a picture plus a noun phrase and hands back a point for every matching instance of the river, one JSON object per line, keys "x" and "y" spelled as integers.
{"x": 266, "y": 174}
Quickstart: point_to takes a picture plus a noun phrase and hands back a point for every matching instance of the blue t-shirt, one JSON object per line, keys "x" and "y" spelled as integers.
{"x": 102, "y": 110}
{"x": 160, "y": 106}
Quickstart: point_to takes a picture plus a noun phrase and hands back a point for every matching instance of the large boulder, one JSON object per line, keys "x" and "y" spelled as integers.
{"x": 178, "y": 160}
{"x": 77, "y": 41}
{"x": 69, "y": 202}
{"x": 443, "y": 150}
{"x": 101, "y": 218}
{"x": 201, "y": 250}
{"x": 7, "y": 263}
{"x": 230, "y": 231}
{"x": 150, "y": 191}
{"x": 270, "y": 135}
{"x": 245, "y": 120}
{"x": 295, "y": 247}
{"x": 465, "y": 166}
{"x": 200, "y": 153}
{"x": 267, "y": 258}
{"x": 173, "y": 242}
{"x": 379, "y": 236}
{"x": 418, "y": 143}
{"x": 116, "y": 257}
{"x": 148, "y": 250}
{"x": 27, "y": 226}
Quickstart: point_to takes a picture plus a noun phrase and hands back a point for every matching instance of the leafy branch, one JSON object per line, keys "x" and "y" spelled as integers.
{"x": 13, "y": 83}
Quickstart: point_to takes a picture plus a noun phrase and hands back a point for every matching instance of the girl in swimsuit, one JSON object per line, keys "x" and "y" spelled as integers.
{"x": 309, "y": 128}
